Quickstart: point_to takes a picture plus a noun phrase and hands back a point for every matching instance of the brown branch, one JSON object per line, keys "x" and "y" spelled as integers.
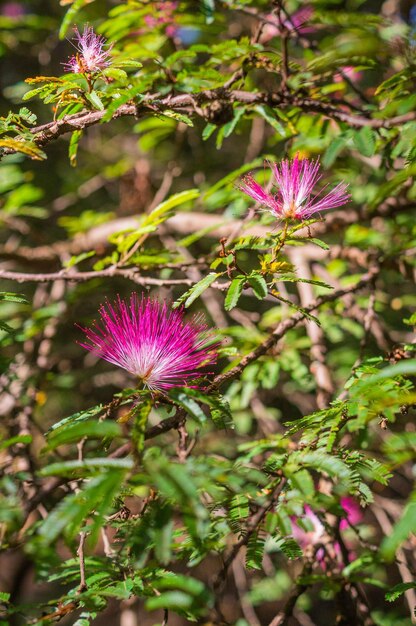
{"x": 111, "y": 272}
{"x": 318, "y": 366}
{"x": 145, "y": 281}
{"x": 281, "y": 619}
{"x": 282, "y": 328}
{"x": 252, "y": 525}
{"x": 288, "y": 324}
{"x": 43, "y": 135}
{"x": 80, "y": 552}
{"x": 187, "y": 223}
{"x": 240, "y": 579}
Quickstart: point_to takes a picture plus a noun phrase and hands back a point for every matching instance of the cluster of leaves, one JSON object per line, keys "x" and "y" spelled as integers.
{"x": 159, "y": 497}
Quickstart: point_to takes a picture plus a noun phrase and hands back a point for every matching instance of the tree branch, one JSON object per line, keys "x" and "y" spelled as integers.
{"x": 187, "y": 223}
{"x": 144, "y": 281}
{"x": 43, "y": 135}
{"x": 282, "y": 328}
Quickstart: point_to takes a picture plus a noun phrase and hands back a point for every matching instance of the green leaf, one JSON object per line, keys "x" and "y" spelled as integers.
{"x": 231, "y": 178}
{"x": 365, "y": 141}
{"x": 68, "y": 433}
{"x": 180, "y": 593}
{"x": 8, "y": 296}
{"x": 125, "y": 96}
{"x": 179, "y": 117}
{"x": 77, "y": 417}
{"x": 173, "y": 201}
{"x": 319, "y": 243}
{"x": 74, "y": 260}
{"x": 208, "y": 130}
{"x": 403, "y": 368}
{"x": 255, "y": 551}
{"x": 399, "y": 590}
{"x": 73, "y": 147}
{"x": 333, "y": 150}
{"x": 24, "y": 439}
{"x": 221, "y": 413}
{"x": 68, "y": 468}
{"x": 289, "y": 547}
{"x": 259, "y": 285}
{"x": 196, "y": 290}
{"x": 140, "y": 415}
{"x": 116, "y": 74}
{"x": 208, "y": 9}
{"x": 403, "y": 528}
{"x": 95, "y": 100}
{"x": 234, "y": 292}
{"x": 171, "y": 600}
{"x": 68, "y": 516}
{"x": 176, "y": 482}
{"x": 70, "y": 16}
{"x": 25, "y": 147}
{"x": 292, "y": 278}
{"x": 268, "y": 115}
{"x": 189, "y": 404}
{"x": 6, "y": 327}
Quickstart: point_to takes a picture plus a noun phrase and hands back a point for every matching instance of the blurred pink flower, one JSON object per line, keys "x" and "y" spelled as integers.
{"x": 91, "y": 55}
{"x": 308, "y": 538}
{"x": 293, "y": 199}
{"x": 13, "y": 10}
{"x": 152, "y": 342}
{"x": 163, "y": 14}
{"x": 353, "y": 511}
{"x": 350, "y": 72}
{"x": 295, "y": 23}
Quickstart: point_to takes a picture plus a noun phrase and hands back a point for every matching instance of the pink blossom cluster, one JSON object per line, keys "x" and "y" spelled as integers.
{"x": 312, "y": 538}
{"x": 151, "y": 341}
{"x": 164, "y": 14}
{"x": 91, "y": 55}
{"x": 294, "y": 198}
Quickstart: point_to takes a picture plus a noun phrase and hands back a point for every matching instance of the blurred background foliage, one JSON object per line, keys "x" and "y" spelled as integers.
{"x": 155, "y": 538}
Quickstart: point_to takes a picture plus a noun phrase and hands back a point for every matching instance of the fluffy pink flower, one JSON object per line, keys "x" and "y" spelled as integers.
{"x": 294, "y": 198}
{"x": 91, "y": 55}
{"x": 151, "y": 341}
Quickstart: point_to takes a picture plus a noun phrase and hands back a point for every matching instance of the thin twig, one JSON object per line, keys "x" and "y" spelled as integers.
{"x": 252, "y": 525}
{"x": 80, "y": 553}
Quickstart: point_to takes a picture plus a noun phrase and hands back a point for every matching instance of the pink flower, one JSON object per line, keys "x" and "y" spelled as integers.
{"x": 317, "y": 535}
{"x": 151, "y": 341}
{"x": 295, "y": 23}
{"x": 311, "y": 537}
{"x": 353, "y": 512}
{"x": 14, "y": 10}
{"x": 163, "y": 15}
{"x": 349, "y": 72}
{"x": 296, "y": 180}
{"x": 91, "y": 56}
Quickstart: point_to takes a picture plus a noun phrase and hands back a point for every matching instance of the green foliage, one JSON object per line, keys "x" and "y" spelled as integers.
{"x": 284, "y": 470}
